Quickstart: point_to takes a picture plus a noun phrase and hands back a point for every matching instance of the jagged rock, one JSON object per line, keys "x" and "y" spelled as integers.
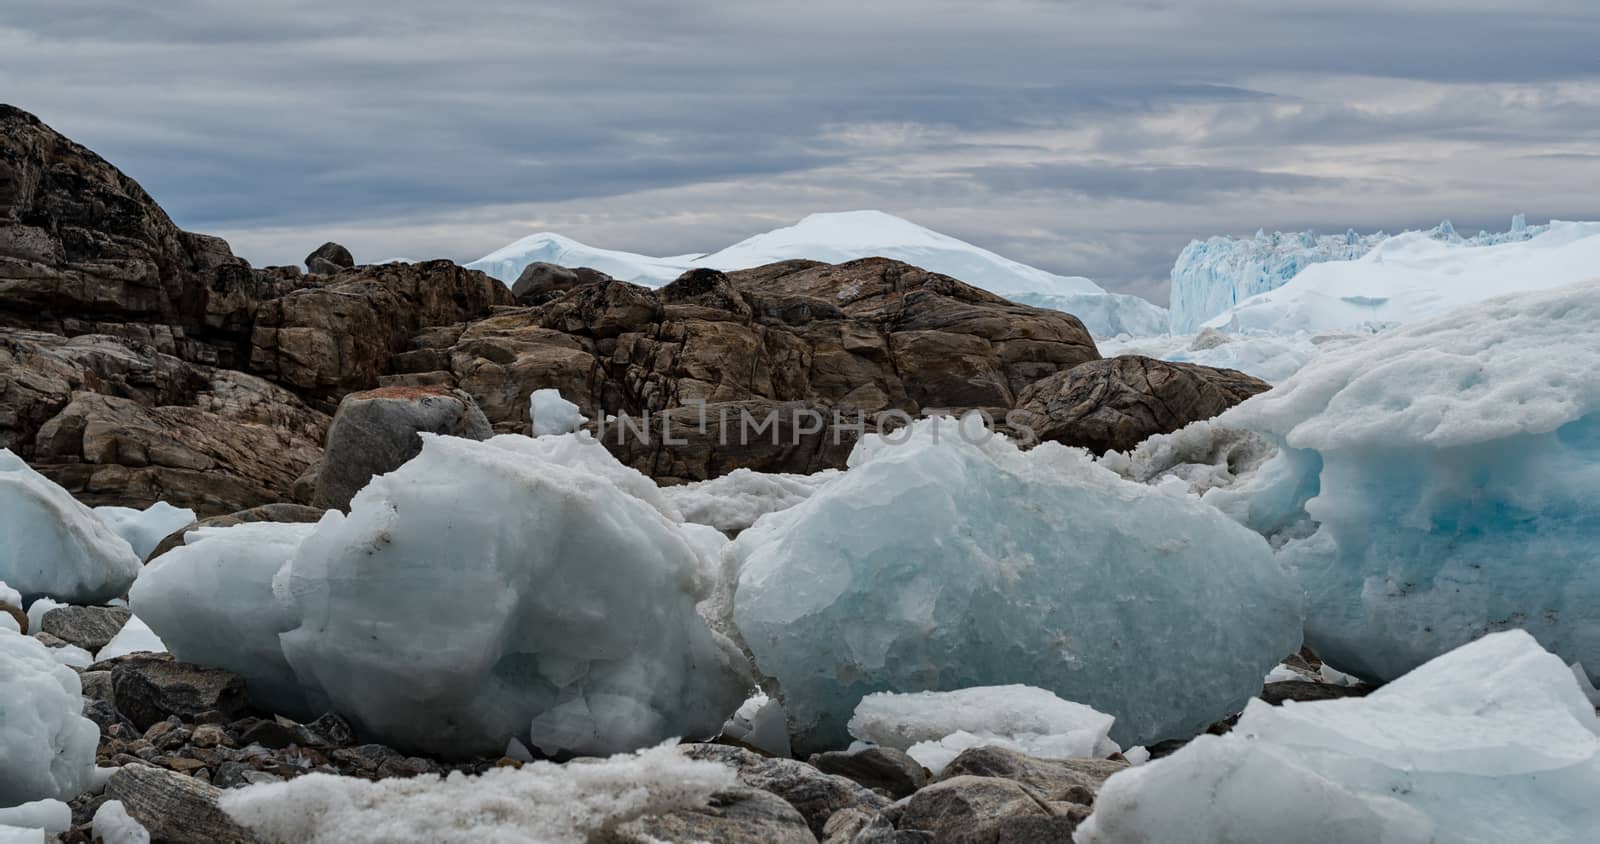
{"x": 1117, "y": 403}
{"x": 265, "y": 513}
{"x": 540, "y": 282}
{"x": 90, "y": 628}
{"x": 153, "y": 687}
{"x": 174, "y": 807}
{"x": 329, "y": 340}
{"x": 882, "y": 769}
{"x": 376, "y": 431}
{"x": 815, "y": 794}
{"x": 1074, "y": 780}
{"x": 329, "y": 258}
{"x": 962, "y": 808}
{"x": 736, "y": 816}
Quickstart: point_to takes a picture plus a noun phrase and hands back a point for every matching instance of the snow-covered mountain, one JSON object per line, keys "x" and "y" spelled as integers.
{"x": 1417, "y": 275}
{"x": 1213, "y": 275}
{"x": 847, "y": 236}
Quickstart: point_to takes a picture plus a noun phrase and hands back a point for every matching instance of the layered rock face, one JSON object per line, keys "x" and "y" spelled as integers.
{"x": 140, "y": 362}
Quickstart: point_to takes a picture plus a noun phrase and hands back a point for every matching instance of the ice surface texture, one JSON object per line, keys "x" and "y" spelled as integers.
{"x": 552, "y": 414}
{"x": 941, "y": 563}
{"x": 1211, "y": 276}
{"x": 1450, "y": 470}
{"x": 50, "y": 545}
{"x": 529, "y": 588}
{"x": 46, "y": 747}
{"x": 144, "y": 529}
{"x": 1490, "y": 744}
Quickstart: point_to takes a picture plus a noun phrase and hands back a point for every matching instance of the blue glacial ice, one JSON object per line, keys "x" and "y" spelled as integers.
{"x": 941, "y": 560}
{"x": 1437, "y": 482}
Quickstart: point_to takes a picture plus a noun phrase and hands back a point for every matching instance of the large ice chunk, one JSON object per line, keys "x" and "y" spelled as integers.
{"x": 557, "y": 804}
{"x": 552, "y": 414}
{"x": 1449, "y": 470}
{"x": 1270, "y": 357}
{"x": 144, "y": 529}
{"x": 1490, "y": 744}
{"x": 52, "y": 545}
{"x": 46, "y": 746}
{"x": 934, "y": 727}
{"x": 223, "y": 579}
{"x": 946, "y": 558}
{"x": 480, "y": 590}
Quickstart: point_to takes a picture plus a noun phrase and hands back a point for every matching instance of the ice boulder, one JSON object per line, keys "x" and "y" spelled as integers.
{"x": 734, "y": 501}
{"x": 225, "y": 579}
{"x": 144, "y": 529}
{"x": 552, "y": 414}
{"x": 52, "y": 545}
{"x": 1489, "y": 744}
{"x": 47, "y": 747}
{"x": 481, "y": 592}
{"x": 1446, "y": 474}
{"x": 945, "y": 557}
{"x": 934, "y": 727}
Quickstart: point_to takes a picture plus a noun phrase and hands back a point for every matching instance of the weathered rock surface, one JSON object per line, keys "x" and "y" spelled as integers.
{"x": 815, "y": 794}
{"x": 882, "y": 769}
{"x": 1067, "y": 780}
{"x": 174, "y": 807}
{"x": 90, "y": 628}
{"x": 150, "y": 688}
{"x": 960, "y": 808}
{"x": 540, "y": 282}
{"x": 1116, "y": 403}
{"x": 375, "y": 432}
{"x": 736, "y": 816}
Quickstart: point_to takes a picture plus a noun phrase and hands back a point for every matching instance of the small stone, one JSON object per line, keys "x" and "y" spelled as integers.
{"x": 268, "y": 734}
{"x": 328, "y": 731}
{"x": 153, "y": 687}
{"x": 97, "y": 686}
{"x": 182, "y": 764}
{"x": 209, "y": 735}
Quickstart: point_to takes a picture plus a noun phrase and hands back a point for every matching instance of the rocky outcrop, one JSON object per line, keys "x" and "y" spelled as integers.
{"x": 328, "y": 259}
{"x": 540, "y": 282}
{"x": 1117, "y": 403}
{"x": 376, "y": 432}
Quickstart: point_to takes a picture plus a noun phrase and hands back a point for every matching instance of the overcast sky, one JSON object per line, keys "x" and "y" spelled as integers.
{"x": 1088, "y": 138}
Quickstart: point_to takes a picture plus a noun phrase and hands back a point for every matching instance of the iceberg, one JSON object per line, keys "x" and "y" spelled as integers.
{"x": 1268, "y": 356}
{"x": 1489, "y": 744}
{"x": 51, "y": 545}
{"x": 848, "y": 236}
{"x": 47, "y": 748}
{"x": 945, "y": 557}
{"x": 1212, "y": 276}
{"x": 1437, "y": 483}
{"x": 1414, "y": 276}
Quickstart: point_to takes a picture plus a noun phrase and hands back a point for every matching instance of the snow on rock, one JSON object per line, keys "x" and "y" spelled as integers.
{"x": 52, "y": 545}
{"x": 1211, "y": 276}
{"x": 1446, "y": 474}
{"x": 134, "y": 637}
{"x": 225, "y": 578}
{"x": 47, "y": 748}
{"x": 112, "y": 825}
{"x": 1414, "y": 276}
{"x": 552, "y": 414}
{"x": 734, "y": 501}
{"x": 944, "y": 559}
{"x": 1489, "y": 744}
{"x": 1268, "y": 356}
{"x": 144, "y": 529}
{"x": 934, "y": 727}
{"x": 481, "y": 592}
{"x": 576, "y": 803}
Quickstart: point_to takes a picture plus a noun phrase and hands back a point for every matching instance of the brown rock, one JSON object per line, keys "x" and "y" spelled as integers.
{"x": 1117, "y": 403}
{"x": 1077, "y": 780}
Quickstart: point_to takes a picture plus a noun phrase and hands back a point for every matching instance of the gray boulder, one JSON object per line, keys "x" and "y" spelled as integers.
{"x": 540, "y": 282}
{"x": 90, "y": 628}
{"x": 329, "y": 258}
{"x": 882, "y": 769}
{"x": 174, "y": 807}
{"x": 150, "y": 688}
{"x": 815, "y": 794}
{"x": 1071, "y": 780}
{"x": 735, "y": 816}
{"x": 959, "y": 809}
{"x": 376, "y": 431}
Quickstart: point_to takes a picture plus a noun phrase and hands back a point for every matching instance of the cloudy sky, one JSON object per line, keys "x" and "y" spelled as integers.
{"x": 1090, "y": 138}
